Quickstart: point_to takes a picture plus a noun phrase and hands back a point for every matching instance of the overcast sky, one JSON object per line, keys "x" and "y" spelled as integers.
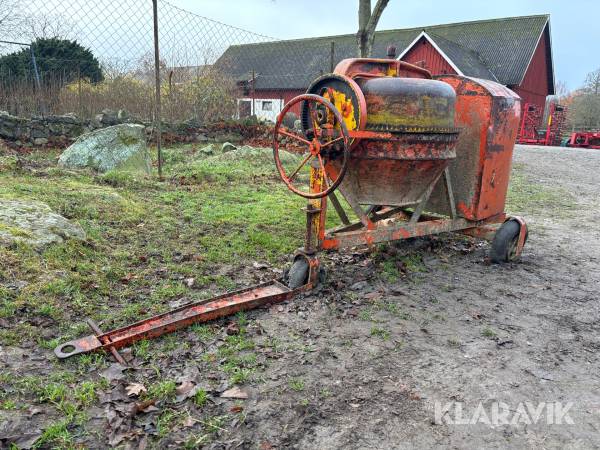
{"x": 575, "y": 24}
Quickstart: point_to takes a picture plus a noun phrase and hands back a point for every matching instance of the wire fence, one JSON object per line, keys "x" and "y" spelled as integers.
{"x": 84, "y": 57}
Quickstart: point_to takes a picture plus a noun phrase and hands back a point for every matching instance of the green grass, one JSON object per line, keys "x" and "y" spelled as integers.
{"x": 533, "y": 197}
{"x": 161, "y": 390}
{"x": 381, "y": 333}
{"x": 488, "y": 333}
{"x": 56, "y": 435}
{"x": 144, "y": 238}
{"x": 200, "y": 398}
{"x": 297, "y": 384}
{"x": 134, "y": 228}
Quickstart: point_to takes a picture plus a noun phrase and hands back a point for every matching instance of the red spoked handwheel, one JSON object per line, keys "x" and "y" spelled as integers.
{"x": 324, "y": 139}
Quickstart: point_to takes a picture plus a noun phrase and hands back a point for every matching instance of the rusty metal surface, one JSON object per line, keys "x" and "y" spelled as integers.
{"x": 397, "y": 183}
{"x": 106, "y": 341}
{"x": 395, "y": 171}
{"x": 392, "y": 230}
{"x": 523, "y": 232}
{"x": 327, "y": 141}
{"x": 353, "y": 107}
{"x": 394, "y": 225}
{"x": 488, "y": 114}
{"x": 408, "y": 102}
{"x": 184, "y": 316}
{"x": 373, "y": 67}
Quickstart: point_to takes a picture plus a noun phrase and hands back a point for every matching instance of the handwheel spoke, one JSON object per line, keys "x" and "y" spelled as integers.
{"x": 308, "y": 157}
{"x": 323, "y": 170}
{"x": 332, "y": 142}
{"x": 293, "y": 136}
{"x": 319, "y": 128}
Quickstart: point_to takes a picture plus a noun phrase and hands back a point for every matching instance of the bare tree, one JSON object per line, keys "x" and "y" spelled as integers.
{"x": 367, "y": 22}
{"x": 561, "y": 90}
{"x": 592, "y": 82}
{"x": 584, "y": 108}
{"x": 11, "y": 19}
{"x": 42, "y": 26}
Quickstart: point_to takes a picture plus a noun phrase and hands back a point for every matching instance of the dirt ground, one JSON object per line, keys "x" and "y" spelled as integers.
{"x": 468, "y": 332}
{"x": 361, "y": 362}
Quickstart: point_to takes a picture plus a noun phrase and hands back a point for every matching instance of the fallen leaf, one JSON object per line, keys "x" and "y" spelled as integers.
{"x": 150, "y": 408}
{"x": 185, "y": 387}
{"x": 232, "y": 329}
{"x": 258, "y": 265}
{"x": 127, "y": 278}
{"x": 236, "y": 409}
{"x": 234, "y": 392}
{"x": 189, "y": 282}
{"x": 373, "y": 296}
{"x": 135, "y": 389}
{"x": 188, "y": 422}
{"x": 145, "y": 406}
{"x": 33, "y": 411}
{"x": 114, "y": 372}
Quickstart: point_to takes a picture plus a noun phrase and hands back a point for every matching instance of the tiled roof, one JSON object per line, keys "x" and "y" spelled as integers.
{"x": 497, "y": 49}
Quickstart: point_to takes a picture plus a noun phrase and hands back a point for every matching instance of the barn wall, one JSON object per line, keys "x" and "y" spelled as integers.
{"x": 536, "y": 84}
{"x": 434, "y": 61}
{"x": 285, "y": 95}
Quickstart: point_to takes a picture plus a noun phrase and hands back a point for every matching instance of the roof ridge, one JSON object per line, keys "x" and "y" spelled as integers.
{"x": 395, "y": 30}
{"x": 497, "y": 19}
{"x": 476, "y": 54}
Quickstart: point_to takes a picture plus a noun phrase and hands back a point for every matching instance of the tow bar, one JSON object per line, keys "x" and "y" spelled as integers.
{"x": 224, "y": 305}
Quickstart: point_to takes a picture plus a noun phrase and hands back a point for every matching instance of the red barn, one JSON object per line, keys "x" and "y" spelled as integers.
{"x": 514, "y": 51}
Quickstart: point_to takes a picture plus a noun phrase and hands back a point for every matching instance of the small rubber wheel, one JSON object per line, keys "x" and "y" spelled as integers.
{"x": 298, "y": 273}
{"x": 504, "y": 245}
{"x": 322, "y": 274}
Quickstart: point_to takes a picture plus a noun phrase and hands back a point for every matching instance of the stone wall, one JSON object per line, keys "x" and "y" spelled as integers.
{"x": 61, "y": 131}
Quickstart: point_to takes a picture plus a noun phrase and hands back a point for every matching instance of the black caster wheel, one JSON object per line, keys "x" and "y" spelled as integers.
{"x": 298, "y": 274}
{"x": 505, "y": 243}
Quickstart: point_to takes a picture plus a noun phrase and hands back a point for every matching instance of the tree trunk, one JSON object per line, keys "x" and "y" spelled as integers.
{"x": 364, "y": 14}
{"x": 367, "y": 22}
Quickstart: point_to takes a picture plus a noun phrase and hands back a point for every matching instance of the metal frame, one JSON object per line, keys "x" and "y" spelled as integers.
{"x": 388, "y": 224}
{"x": 585, "y": 139}
{"x": 532, "y": 123}
{"x": 379, "y": 223}
{"x": 224, "y": 305}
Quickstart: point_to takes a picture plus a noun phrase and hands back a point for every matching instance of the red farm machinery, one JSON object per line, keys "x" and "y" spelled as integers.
{"x": 542, "y": 126}
{"x": 546, "y": 127}
{"x": 410, "y": 155}
{"x": 585, "y": 139}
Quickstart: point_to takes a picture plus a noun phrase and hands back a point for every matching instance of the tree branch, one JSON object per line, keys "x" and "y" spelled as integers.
{"x": 376, "y": 15}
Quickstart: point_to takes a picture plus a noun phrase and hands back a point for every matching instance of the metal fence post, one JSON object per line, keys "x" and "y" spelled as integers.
{"x": 38, "y": 83}
{"x": 252, "y": 111}
{"x": 157, "y": 108}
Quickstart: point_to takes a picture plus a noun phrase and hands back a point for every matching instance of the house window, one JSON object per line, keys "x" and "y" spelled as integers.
{"x": 267, "y": 106}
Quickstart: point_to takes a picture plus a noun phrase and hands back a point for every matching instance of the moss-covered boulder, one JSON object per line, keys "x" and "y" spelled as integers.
{"x": 35, "y": 224}
{"x": 120, "y": 147}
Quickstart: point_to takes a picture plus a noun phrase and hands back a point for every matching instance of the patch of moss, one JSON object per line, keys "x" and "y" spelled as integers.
{"x": 126, "y": 139}
{"x": 14, "y": 231}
